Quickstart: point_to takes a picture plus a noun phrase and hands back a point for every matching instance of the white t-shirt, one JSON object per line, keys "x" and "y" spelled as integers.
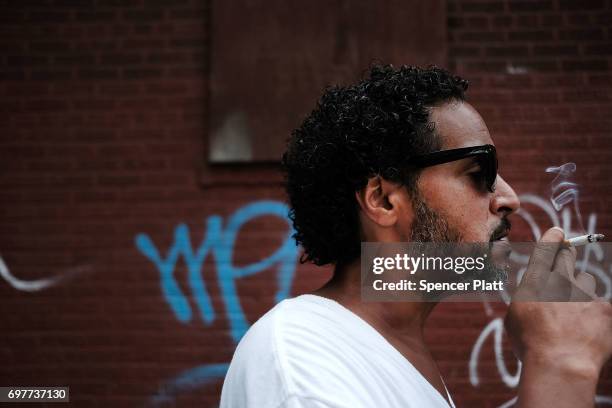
{"x": 311, "y": 351}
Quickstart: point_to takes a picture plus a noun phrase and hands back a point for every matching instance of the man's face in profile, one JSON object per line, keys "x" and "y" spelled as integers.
{"x": 452, "y": 205}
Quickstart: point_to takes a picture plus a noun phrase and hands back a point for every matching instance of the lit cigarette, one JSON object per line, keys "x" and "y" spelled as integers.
{"x": 584, "y": 239}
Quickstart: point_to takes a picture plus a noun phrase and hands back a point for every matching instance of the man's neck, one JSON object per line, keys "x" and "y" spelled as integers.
{"x": 400, "y": 323}
{"x": 403, "y": 321}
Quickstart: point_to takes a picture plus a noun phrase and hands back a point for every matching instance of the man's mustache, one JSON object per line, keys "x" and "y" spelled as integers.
{"x": 502, "y": 229}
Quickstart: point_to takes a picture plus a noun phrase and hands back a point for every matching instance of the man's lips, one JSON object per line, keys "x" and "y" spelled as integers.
{"x": 502, "y": 237}
{"x": 501, "y": 247}
{"x": 502, "y": 230}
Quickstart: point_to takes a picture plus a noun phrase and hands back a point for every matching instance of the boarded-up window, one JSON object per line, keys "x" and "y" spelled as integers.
{"x": 271, "y": 59}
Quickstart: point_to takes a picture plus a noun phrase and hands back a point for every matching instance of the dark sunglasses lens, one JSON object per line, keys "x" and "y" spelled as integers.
{"x": 488, "y": 165}
{"x": 492, "y": 170}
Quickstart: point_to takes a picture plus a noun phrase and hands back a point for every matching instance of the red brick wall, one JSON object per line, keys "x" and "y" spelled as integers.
{"x": 104, "y": 120}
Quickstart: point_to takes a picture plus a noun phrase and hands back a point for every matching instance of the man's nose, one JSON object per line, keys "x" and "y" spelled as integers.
{"x": 504, "y": 199}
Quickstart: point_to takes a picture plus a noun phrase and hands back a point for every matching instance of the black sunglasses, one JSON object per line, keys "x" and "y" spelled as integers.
{"x": 485, "y": 155}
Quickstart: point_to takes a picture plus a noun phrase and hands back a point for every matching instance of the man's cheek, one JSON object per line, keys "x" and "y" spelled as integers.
{"x": 476, "y": 231}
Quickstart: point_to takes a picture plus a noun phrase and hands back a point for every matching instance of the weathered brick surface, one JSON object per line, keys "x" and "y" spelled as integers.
{"x": 104, "y": 118}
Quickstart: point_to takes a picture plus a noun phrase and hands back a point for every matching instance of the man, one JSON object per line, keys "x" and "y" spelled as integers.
{"x": 352, "y": 178}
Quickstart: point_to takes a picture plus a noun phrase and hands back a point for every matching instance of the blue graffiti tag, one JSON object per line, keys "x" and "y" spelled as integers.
{"x": 221, "y": 243}
{"x": 188, "y": 380}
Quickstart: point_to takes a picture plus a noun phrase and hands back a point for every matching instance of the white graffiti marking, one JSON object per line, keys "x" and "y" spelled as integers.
{"x": 39, "y": 284}
{"x": 495, "y": 326}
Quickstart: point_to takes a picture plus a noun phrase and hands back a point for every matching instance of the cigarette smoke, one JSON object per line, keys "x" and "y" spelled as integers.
{"x": 564, "y": 190}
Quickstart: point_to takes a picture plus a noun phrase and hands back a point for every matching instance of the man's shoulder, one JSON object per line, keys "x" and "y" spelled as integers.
{"x": 299, "y": 334}
{"x": 304, "y": 335}
{"x": 301, "y": 317}
{"x": 261, "y": 372}
{"x": 312, "y": 347}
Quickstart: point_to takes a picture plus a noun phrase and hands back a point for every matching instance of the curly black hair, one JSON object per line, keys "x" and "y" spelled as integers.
{"x": 355, "y": 133}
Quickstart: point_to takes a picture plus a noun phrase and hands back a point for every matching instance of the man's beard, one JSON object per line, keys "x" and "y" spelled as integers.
{"x": 432, "y": 227}
{"x": 429, "y": 226}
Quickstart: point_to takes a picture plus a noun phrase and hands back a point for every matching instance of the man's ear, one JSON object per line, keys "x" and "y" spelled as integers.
{"x": 379, "y": 201}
